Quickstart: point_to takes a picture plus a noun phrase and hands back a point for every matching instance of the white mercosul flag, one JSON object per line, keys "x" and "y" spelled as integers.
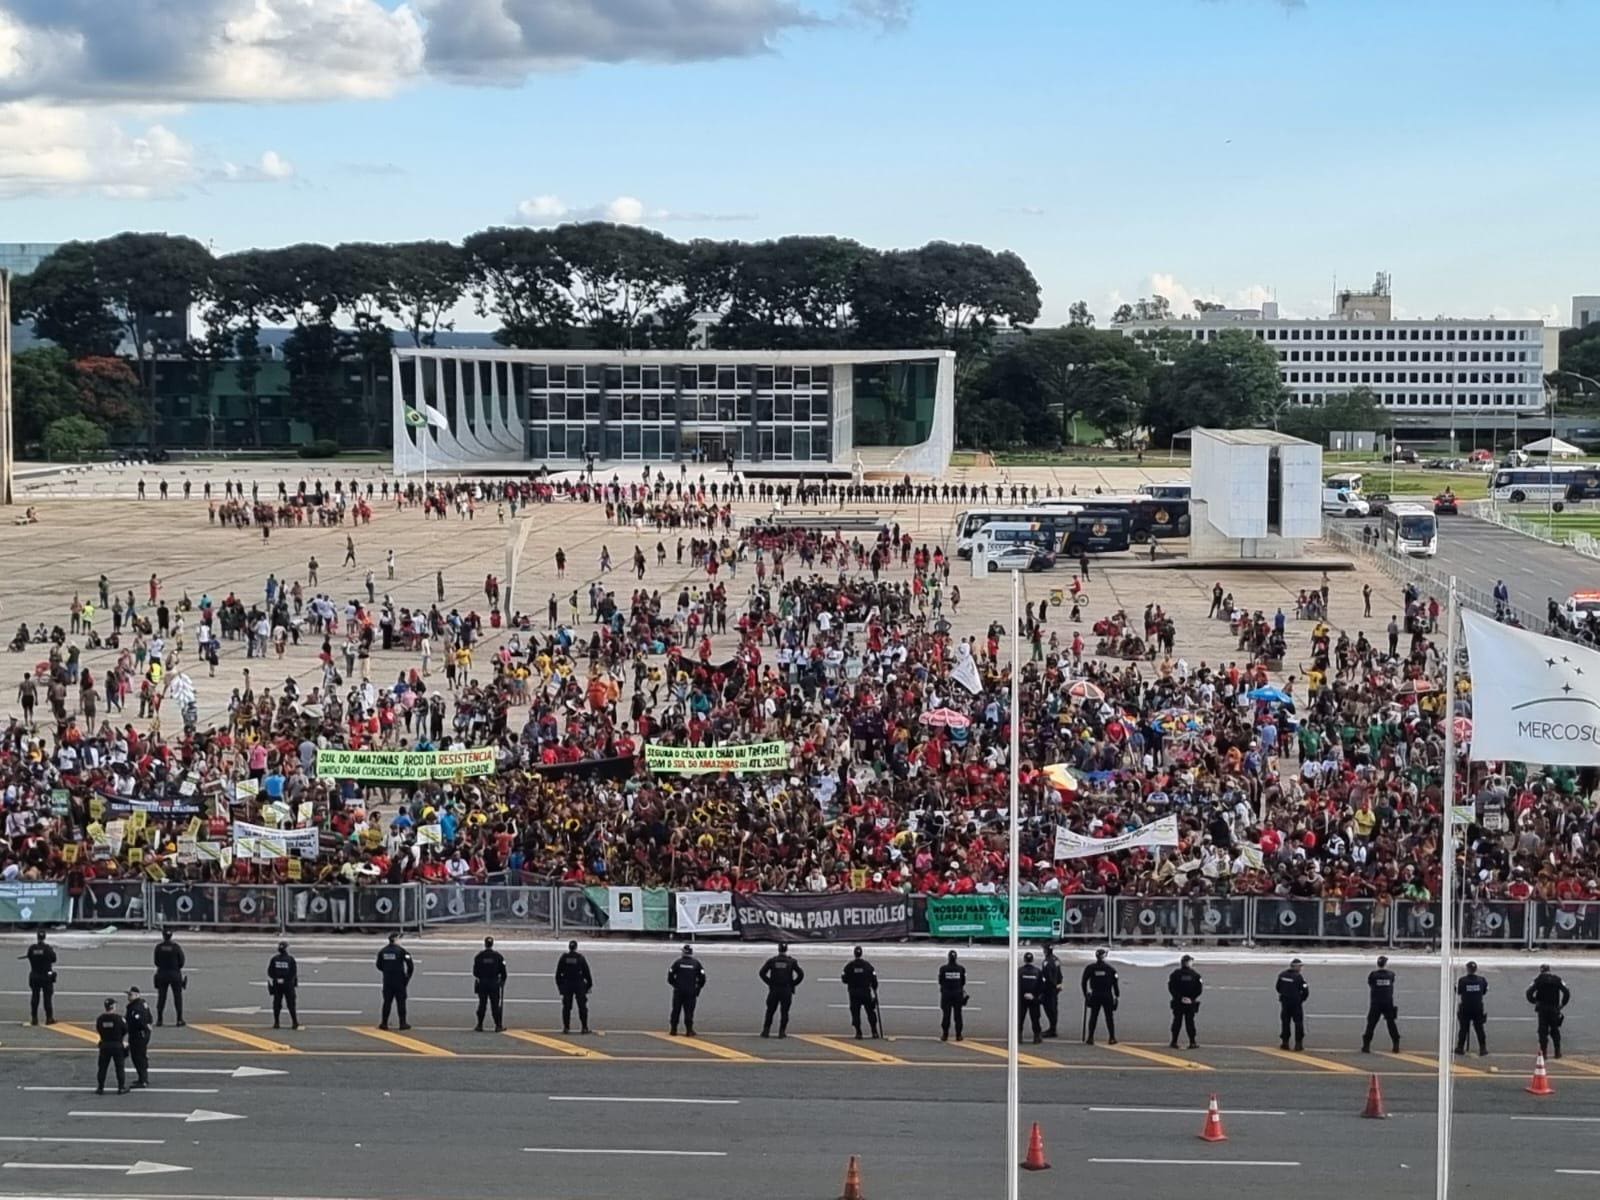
{"x": 436, "y": 418}
{"x": 1534, "y": 698}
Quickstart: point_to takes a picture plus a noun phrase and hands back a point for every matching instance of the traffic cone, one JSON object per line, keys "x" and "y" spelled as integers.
{"x": 1539, "y": 1085}
{"x": 1213, "y": 1128}
{"x": 1035, "y": 1160}
{"x": 1374, "y": 1110}
{"x": 852, "y": 1180}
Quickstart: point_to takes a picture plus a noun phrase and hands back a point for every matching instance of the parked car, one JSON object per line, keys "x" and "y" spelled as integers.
{"x": 1015, "y": 558}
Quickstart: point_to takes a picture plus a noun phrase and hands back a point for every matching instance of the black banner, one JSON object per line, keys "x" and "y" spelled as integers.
{"x": 839, "y": 917}
{"x": 617, "y": 768}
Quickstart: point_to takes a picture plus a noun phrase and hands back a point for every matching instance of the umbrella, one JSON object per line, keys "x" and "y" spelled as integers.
{"x": 1416, "y": 687}
{"x": 947, "y": 717}
{"x": 1271, "y": 695}
{"x": 1061, "y": 777}
{"x": 1082, "y": 689}
{"x": 1463, "y": 728}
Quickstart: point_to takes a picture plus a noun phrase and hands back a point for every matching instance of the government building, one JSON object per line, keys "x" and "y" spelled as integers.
{"x": 1424, "y": 367}
{"x": 515, "y": 409}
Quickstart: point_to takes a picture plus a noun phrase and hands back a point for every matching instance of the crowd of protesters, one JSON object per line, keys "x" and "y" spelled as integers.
{"x": 1309, "y": 765}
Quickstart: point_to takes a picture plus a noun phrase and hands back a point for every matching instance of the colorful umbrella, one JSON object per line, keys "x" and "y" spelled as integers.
{"x": 1416, "y": 687}
{"x": 1271, "y": 695}
{"x": 947, "y": 717}
{"x": 1463, "y": 727}
{"x": 1082, "y": 689}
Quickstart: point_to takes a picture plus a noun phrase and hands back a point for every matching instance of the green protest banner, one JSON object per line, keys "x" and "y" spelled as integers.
{"x": 34, "y": 904}
{"x": 985, "y": 916}
{"x": 704, "y": 760}
{"x": 405, "y": 765}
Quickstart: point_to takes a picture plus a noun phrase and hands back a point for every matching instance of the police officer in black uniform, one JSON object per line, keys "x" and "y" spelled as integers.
{"x": 952, "y": 996}
{"x": 861, "y": 985}
{"x": 687, "y": 979}
{"x": 169, "y": 977}
{"x": 112, "y": 1030}
{"x": 1053, "y": 979}
{"x": 137, "y": 1018}
{"x": 1471, "y": 989}
{"x": 1549, "y": 996}
{"x": 1030, "y": 995}
{"x": 1381, "y": 1005}
{"x": 41, "y": 958}
{"x": 395, "y": 964}
{"x": 1293, "y": 991}
{"x": 283, "y": 979}
{"x": 1184, "y": 987}
{"x": 573, "y": 981}
{"x": 782, "y": 975}
{"x": 1100, "y": 994}
{"x": 489, "y": 981}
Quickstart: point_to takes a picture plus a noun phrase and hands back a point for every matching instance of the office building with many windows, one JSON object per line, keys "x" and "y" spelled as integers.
{"x": 507, "y": 409}
{"x": 1440, "y": 365}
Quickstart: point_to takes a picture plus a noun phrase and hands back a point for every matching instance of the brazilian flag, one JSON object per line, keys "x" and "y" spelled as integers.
{"x": 414, "y": 418}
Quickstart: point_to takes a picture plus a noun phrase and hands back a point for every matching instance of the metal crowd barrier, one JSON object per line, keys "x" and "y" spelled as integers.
{"x": 1114, "y": 920}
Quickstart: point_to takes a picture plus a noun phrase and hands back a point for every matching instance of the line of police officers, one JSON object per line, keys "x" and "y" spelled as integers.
{"x": 1039, "y": 986}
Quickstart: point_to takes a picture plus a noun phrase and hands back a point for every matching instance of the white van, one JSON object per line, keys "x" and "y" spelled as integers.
{"x": 1340, "y": 502}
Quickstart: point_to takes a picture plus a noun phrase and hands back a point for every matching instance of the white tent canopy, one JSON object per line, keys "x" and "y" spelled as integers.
{"x": 1553, "y": 447}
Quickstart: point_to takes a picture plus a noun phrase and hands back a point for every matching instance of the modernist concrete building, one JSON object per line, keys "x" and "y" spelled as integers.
{"x": 1255, "y": 493}
{"x": 1420, "y": 367}
{"x": 514, "y": 409}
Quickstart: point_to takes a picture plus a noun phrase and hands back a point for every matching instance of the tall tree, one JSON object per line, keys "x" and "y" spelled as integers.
{"x": 64, "y": 300}
{"x": 615, "y": 275}
{"x": 517, "y": 276}
{"x": 1079, "y": 314}
{"x": 311, "y": 284}
{"x": 1228, "y": 383}
{"x": 426, "y": 281}
{"x": 42, "y": 390}
{"x": 244, "y": 292}
{"x": 705, "y": 279}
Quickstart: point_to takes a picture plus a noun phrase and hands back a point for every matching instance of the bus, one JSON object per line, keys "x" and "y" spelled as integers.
{"x": 1149, "y": 518}
{"x": 1410, "y": 529}
{"x": 1516, "y": 484}
{"x": 1072, "y": 531}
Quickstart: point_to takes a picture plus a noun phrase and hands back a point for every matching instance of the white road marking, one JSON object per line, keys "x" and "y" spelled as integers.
{"x": 458, "y": 975}
{"x": 1195, "y": 1162}
{"x": 639, "y": 1100}
{"x": 152, "y": 1091}
{"x": 199, "y": 1116}
{"x": 968, "y": 1008}
{"x": 92, "y": 1141}
{"x": 257, "y": 1010}
{"x": 1429, "y": 1018}
{"x": 137, "y": 1168}
{"x": 1232, "y": 1112}
{"x": 935, "y": 982}
{"x": 664, "y": 1153}
{"x": 1576, "y": 1171}
{"x": 230, "y": 1072}
{"x": 1582, "y": 1119}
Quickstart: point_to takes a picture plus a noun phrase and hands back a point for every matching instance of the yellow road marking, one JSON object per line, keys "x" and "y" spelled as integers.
{"x": 1422, "y": 1060}
{"x": 76, "y": 1031}
{"x": 844, "y": 1047}
{"x": 1577, "y": 1064}
{"x": 705, "y": 1047}
{"x": 1310, "y": 1060}
{"x": 1166, "y": 1060}
{"x": 552, "y": 1043}
{"x": 247, "y": 1039}
{"x": 1027, "y": 1060}
{"x": 401, "y": 1040}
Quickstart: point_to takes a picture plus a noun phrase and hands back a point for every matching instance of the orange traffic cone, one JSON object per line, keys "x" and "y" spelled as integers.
{"x": 1213, "y": 1128}
{"x": 852, "y": 1180}
{"x": 1374, "y": 1110}
{"x": 1035, "y": 1160}
{"x": 1539, "y": 1085}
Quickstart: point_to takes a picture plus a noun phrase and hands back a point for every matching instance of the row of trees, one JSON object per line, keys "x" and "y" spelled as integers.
{"x": 591, "y": 284}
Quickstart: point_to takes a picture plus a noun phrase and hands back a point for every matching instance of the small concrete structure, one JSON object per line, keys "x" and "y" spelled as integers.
{"x": 1256, "y": 494}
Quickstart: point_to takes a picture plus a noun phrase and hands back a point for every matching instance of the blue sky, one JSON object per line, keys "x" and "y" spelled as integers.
{"x": 1222, "y": 148}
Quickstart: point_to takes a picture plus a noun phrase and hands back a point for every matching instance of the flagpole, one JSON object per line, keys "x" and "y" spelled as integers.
{"x": 1013, "y": 913}
{"x": 1447, "y": 862}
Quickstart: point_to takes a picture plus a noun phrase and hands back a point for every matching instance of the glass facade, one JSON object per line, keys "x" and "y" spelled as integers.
{"x": 655, "y": 411}
{"x": 894, "y": 403}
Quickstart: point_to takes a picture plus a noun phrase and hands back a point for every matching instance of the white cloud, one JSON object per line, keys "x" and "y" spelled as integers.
{"x": 271, "y": 167}
{"x": 505, "y": 40}
{"x": 52, "y": 149}
{"x": 624, "y": 210}
{"x": 150, "y": 51}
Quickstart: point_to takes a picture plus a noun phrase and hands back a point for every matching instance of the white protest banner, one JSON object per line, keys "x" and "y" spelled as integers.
{"x": 430, "y": 835}
{"x": 703, "y": 912}
{"x": 1076, "y": 845}
{"x": 625, "y": 909}
{"x": 260, "y": 842}
{"x": 1535, "y": 699}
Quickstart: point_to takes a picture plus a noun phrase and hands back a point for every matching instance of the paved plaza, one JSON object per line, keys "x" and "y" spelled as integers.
{"x": 92, "y": 523}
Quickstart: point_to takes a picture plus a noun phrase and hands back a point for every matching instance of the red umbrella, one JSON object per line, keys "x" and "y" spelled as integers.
{"x": 1463, "y": 728}
{"x": 947, "y": 717}
{"x": 1082, "y": 689}
{"x": 1417, "y": 687}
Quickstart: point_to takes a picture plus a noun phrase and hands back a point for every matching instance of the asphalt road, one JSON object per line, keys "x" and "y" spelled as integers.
{"x": 444, "y": 1112}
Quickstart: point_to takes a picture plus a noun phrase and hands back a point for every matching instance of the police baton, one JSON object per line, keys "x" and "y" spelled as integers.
{"x": 877, "y": 1012}
{"x": 1084, "y": 1036}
